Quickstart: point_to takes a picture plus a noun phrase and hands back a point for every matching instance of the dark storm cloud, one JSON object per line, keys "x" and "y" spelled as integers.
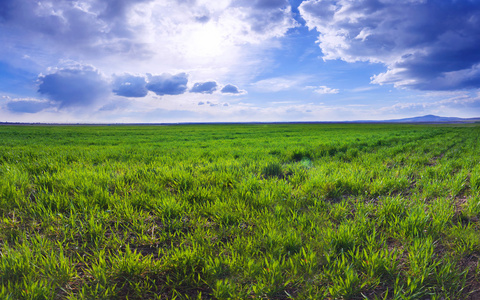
{"x": 27, "y": 106}
{"x": 204, "y": 87}
{"x": 202, "y": 19}
{"x": 80, "y": 26}
{"x": 130, "y": 86}
{"x": 230, "y": 89}
{"x": 113, "y": 12}
{"x": 167, "y": 84}
{"x": 426, "y": 45}
{"x": 28, "y": 18}
{"x": 262, "y": 4}
{"x": 267, "y": 15}
{"x": 269, "y": 4}
{"x": 115, "y": 9}
{"x": 75, "y": 86}
{"x": 6, "y": 9}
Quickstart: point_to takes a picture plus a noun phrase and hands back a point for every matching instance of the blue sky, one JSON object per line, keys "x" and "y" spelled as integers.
{"x": 238, "y": 60}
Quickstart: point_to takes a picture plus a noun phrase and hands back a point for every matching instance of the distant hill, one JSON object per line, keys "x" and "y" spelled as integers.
{"x": 426, "y": 119}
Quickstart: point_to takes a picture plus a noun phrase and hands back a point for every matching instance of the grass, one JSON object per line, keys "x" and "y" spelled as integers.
{"x": 305, "y": 211}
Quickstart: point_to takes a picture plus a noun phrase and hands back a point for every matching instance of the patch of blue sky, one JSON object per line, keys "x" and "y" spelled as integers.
{"x": 17, "y": 82}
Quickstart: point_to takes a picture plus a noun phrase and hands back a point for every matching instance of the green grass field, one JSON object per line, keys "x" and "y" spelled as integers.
{"x": 304, "y": 211}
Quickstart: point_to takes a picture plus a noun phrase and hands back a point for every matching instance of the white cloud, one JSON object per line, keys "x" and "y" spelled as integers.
{"x": 207, "y": 39}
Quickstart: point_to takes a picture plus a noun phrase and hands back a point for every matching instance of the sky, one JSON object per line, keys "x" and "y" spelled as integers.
{"x": 169, "y": 61}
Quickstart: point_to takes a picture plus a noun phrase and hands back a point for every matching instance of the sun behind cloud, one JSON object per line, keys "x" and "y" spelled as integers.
{"x": 250, "y": 60}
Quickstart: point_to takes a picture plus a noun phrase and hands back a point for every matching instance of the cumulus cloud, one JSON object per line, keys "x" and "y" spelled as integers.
{"x": 167, "y": 84}
{"x": 231, "y": 89}
{"x": 204, "y": 87}
{"x": 425, "y": 45}
{"x": 211, "y": 38}
{"x": 130, "y": 85}
{"x": 73, "y": 86}
{"x": 27, "y": 105}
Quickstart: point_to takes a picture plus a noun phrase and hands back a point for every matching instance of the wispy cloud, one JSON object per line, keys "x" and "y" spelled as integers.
{"x": 277, "y": 84}
{"x": 325, "y": 90}
{"x": 363, "y": 89}
{"x": 29, "y": 106}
